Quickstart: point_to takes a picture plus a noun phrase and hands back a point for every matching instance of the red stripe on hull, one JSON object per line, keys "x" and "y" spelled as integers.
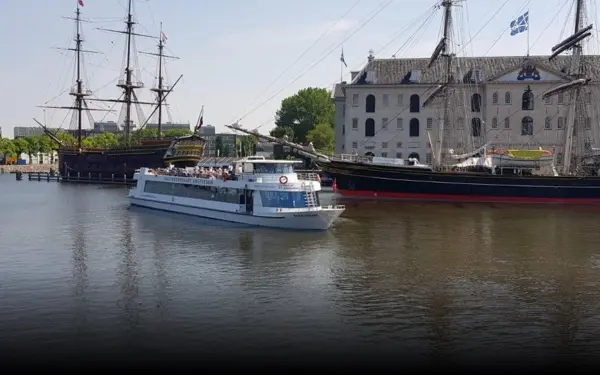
{"x": 463, "y": 198}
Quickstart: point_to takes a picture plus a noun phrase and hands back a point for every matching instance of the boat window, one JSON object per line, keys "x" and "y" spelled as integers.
{"x": 273, "y": 168}
{"x": 226, "y": 195}
{"x": 283, "y": 199}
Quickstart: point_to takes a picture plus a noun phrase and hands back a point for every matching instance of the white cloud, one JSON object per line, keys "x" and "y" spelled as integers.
{"x": 284, "y": 35}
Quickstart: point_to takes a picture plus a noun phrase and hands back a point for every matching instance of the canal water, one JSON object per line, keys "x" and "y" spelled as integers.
{"x": 82, "y": 276}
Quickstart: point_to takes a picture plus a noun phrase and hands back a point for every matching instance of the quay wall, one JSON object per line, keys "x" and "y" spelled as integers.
{"x": 31, "y": 168}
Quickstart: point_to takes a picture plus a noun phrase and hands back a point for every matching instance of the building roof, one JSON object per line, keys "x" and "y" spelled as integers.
{"x": 397, "y": 71}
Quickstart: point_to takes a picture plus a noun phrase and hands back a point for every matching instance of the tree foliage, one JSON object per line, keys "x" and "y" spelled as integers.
{"x": 322, "y": 138}
{"x": 300, "y": 113}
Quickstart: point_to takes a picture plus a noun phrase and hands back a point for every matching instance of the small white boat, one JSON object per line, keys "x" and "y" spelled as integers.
{"x": 255, "y": 191}
{"x": 521, "y": 158}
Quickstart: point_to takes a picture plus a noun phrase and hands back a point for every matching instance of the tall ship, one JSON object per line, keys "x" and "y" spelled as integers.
{"x": 466, "y": 164}
{"x": 119, "y": 162}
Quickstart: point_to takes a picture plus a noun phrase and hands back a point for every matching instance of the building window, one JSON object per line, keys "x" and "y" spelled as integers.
{"x": 413, "y": 127}
{"x": 414, "y": 155}
{"x": 384, "y": 123}
{"x": 548, "y": 100}
{"x": 370, "y": 103}
{"x": 561, "y": 123}
{"x": 507, "y": 98}
{"x": 495, "y": 98}
{"x": 384, "y": 154}
{"x": 400, "y": 124}
{"x": 398, "y": 144}
{"x": 588, "y": 123}
{"x": 369, "y": 153}
{"x": 527, "y": 126}
{"x": 476, "y": 127}
{"x": 400, "y": 100}
{"x": 354, "y": 144}
{"x": 370, "y": 128}
{"x": 506, "y": 123}
{"x": 398, "y": 155}
{"x": 354, "y": 100}
{"x": 588, "y": 98}
{"x": 429, "y": 123}
{"x": 354, "y": 123}
{"x": 494, "y": 123}
{"x": 415, "y": 103}
{"x": 386, "y": 100}
{"x": 428, "y": 158}
{"x": 559, "y": 158}
{"x": 384, "y": 145}
{"x": 460, "y": 123}
{"x": 548, "y": 123}
{"x": 561, "y": 98}
{"x": 343, "y": 129}
{"x": 475, "y": 103}
{"x": 527, "y": 100}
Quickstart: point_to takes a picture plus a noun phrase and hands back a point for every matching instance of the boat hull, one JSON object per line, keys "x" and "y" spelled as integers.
{"x": 314, "y": 220}
{"x": 112, "y": 164}
{"x": 365, "y": 181}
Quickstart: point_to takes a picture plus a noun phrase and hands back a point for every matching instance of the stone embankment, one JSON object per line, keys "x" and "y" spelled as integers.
{"x": 32, "y": 168}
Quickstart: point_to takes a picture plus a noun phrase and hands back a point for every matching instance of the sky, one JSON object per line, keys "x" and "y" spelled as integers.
{"x": 239, "y": 58}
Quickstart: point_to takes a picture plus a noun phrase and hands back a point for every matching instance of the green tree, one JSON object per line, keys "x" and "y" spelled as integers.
{"x": 302, "y": 111}
{"x": 21, "y": 146}
{"x": 46, "y": 144}
{"x": 103, "y": 140}
{"x": 226, "y": 151}
{"x": 281, "y": 131}
{"x": 66, "y": 138}
{"x": 7, "y": 148}
{"x": 322, "y": 138}
{"x": 173, "y": 133}
{"x": 247, "y": 144}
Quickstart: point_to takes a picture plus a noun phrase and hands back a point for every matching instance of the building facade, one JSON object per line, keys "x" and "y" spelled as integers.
{"x": 222, "y": 144}
{"x": 493, "y": 100}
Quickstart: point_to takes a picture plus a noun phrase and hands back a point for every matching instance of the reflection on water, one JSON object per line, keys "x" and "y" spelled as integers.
{"x": 425, "y": 280}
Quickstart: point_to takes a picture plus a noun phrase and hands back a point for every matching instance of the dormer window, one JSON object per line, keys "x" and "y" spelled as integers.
{"x": 476, "y": 75}
{"x": 415, "y": 75}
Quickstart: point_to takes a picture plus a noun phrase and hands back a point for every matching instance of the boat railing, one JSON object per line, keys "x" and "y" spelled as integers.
{"x": 352, "y": 158}
{"x": 308, "y": 176}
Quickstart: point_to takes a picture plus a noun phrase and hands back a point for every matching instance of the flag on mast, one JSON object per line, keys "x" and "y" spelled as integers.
{"x": 80, "y": 2}
{"x": 342, "y": 59}
{"x": 520, "y": 25}
{"x": 163, "y": 36}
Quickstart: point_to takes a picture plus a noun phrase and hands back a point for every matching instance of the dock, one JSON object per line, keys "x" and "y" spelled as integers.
{"x": 89, "y": 179}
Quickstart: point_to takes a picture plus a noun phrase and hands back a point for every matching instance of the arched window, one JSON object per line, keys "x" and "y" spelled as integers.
{"x": 413, "y": 126}
{"x": 507, "y": 98}
{"x": 495, "y": 98}
{"x": 527, "y": 126}
{"x": 415, "y": 103}
{"x": 548, "y": 123}
{"x": 476, "y": 127}
{"x": 414, "y": 155}
{"x": 370, "y": 154}
{"x": 475, "y": 103}
{"x": 527, "y": 102}
{"x": 494, "y": 123}
{"x": 370, "y": 128}
{"x": 370, "y": 103}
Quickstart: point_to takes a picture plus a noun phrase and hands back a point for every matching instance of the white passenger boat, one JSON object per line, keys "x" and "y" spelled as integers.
{"x": 254, "y": 191}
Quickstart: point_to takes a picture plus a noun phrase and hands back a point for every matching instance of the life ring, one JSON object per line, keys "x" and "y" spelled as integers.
{"x": 283, "y": 180}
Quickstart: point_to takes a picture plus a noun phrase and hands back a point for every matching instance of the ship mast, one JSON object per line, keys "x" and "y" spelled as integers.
{"x": 575, "y": 118}
{"x": 161, "y": 89}
{"x": 78, "y": 91}
{"x": 127, "y": 84}
{"x": 443, "y": 50}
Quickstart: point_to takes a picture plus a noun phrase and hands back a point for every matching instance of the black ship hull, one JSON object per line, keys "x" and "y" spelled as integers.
{"x": 413, "y": 183}
{"x": 107, "y": 165}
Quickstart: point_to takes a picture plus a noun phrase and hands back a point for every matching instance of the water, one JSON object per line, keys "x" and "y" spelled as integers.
{"x": 83, "y": 275}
